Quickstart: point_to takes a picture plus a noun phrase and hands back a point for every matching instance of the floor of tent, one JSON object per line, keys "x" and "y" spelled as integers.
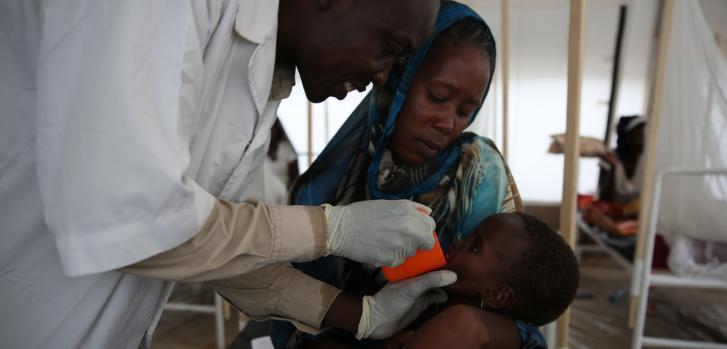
{"x": 599, "y": 314}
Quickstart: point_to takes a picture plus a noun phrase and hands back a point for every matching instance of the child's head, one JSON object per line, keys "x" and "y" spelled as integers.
{"x": 445, "y": 93}
{"x": 516, "y": 265}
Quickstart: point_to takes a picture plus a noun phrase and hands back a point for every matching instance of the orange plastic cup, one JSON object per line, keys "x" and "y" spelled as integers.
{"x": 423, "y": 261}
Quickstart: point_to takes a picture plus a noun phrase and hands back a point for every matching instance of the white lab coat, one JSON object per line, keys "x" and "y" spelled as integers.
{"x": 121, "y": 122}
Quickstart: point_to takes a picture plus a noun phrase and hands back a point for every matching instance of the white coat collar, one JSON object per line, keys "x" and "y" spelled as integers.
{"x": 257, "y": 19}
{"x": 257, "y": 22}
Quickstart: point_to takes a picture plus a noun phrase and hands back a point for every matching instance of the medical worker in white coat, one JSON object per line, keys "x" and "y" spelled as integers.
{"x": 132, "y": 135}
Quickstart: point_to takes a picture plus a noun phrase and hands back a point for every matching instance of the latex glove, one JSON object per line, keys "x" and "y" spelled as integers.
{"x": 379, "y": 232}
{"x": 398, "y": 304}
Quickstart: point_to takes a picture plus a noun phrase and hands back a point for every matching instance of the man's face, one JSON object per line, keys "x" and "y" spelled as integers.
{"x": 444, "y": 95}
{"x": 353, "y": 43}
{"x": 484, "y": 259}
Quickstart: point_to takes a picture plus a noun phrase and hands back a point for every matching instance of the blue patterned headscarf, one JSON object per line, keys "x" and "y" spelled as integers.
{"x": 463, "y": 184}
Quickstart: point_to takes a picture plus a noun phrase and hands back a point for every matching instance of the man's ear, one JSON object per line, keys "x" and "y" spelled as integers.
{"x": 498, "y": 297}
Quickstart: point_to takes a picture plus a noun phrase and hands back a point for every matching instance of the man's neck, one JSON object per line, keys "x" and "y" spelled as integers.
{"x": 286, "y": 40}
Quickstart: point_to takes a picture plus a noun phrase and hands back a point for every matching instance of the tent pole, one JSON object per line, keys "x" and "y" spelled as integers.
{"x": 652, "y": 129}
{"x": 570, "y": 171}
{"x": 505, "y": 77}
{"x": 615, "y": 75}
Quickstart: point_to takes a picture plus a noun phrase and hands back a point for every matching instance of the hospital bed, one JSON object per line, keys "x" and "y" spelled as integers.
{"x": 645, "y": 279}
{"x": 602, "y": 244}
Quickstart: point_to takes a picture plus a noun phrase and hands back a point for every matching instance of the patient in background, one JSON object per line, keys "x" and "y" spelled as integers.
{"x": 513, "y": 265}
{"x": 619, "y": 182}
{"x": 620, "y": 177}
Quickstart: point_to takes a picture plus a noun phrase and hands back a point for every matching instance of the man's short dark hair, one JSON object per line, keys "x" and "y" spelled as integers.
{"x": 545, "y": 278}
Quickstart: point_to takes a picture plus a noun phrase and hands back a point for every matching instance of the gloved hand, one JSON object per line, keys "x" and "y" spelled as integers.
{"x": 396, "y": 305}
{"x": 379, "y": 232}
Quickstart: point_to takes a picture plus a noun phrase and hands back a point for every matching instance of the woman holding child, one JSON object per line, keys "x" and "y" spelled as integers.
{"x": 406, "y": 141}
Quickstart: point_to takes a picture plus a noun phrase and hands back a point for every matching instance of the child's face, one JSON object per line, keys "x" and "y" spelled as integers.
{"x": 446, "y": 91}
{"x": 484, "y": 259}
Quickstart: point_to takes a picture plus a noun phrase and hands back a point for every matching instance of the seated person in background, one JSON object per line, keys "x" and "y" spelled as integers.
{"x": 513, "y": 265}
{"x": 620, "y": 177}
{"x": 619, "y": 183}
{"x": 406, "y": 141}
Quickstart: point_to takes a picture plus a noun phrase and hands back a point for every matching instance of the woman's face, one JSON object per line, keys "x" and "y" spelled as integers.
{"x": 443, "y": 96}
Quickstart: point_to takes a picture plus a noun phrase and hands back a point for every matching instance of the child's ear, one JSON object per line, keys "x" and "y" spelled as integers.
{"x": 498, "y": 297}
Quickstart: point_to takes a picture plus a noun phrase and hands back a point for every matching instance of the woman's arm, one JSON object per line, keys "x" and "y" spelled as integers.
{"x": 466, "y": 327}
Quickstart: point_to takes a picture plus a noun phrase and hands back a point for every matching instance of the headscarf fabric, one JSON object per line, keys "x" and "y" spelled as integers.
{"x": 353, "y": 165}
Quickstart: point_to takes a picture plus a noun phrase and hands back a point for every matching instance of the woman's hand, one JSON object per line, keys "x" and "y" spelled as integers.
{"x": 463, "y": 326}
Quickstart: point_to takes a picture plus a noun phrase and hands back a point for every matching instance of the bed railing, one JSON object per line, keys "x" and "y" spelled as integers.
{"x": 643, "y": 278}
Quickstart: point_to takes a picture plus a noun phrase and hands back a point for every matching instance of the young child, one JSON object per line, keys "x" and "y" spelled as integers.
{"x": 513, "y": 266}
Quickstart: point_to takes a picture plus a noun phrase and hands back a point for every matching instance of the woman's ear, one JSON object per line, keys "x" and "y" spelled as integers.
{"x": 498, "y": 297}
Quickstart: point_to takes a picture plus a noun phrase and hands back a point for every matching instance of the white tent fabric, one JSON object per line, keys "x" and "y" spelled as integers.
{"x": 693, "y": 134}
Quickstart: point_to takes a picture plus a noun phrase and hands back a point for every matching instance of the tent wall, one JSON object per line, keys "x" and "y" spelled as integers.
{"x": 538, "y": 56}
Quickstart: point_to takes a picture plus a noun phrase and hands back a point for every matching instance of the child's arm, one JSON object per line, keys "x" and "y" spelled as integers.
{"x": 466, "y": 327}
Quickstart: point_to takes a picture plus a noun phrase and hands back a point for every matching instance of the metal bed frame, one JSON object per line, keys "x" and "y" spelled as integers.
{"x": 643, "y": 278}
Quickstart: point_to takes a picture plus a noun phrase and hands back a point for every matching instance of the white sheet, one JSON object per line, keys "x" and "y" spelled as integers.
{"x": 693, "y": 131}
